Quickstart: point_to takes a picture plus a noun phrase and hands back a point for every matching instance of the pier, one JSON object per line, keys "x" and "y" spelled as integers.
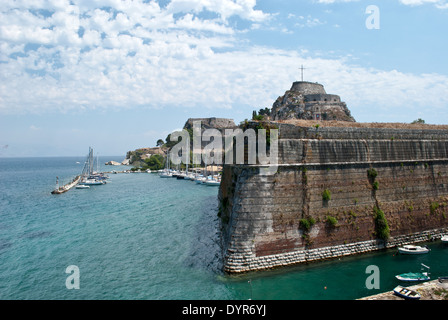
{"x": 87, "y": 177}
{"x": 66, "y": 187}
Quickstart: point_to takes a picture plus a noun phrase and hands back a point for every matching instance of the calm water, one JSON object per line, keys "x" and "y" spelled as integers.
{"x": 143, "y": 237}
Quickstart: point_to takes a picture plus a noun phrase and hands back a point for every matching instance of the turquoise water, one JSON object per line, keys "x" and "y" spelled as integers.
{"x": 143, "y": 237}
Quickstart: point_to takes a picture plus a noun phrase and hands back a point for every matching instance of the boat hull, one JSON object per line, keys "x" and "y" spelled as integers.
{"x": 413, "y": 250}
{"x": 411, "y": 279}
{"x": 406, "y": 293}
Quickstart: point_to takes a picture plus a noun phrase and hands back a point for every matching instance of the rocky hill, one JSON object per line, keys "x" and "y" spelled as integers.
{"x": 309, "y": 101}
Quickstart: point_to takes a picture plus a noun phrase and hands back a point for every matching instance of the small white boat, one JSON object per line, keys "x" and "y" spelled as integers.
{"x": 189, "y": 176}
{"x": 412, "y": 249}
{"x": 406, "y": 293}
{"x": 93, "y": 182}
{"x": 82, "y": 186}
{"x": 212, "y": 182}
{"x": 444, "y": 239}
{"x": 165, "y": 174}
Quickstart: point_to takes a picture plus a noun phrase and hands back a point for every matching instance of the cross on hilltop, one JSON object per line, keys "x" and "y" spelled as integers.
{"x": 302, "y": 68}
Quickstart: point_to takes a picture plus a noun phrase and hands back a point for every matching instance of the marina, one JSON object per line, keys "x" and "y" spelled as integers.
{"x": 197, "y": 177}
{"x": 205, "y": 175}
{"x": 88, "y": 177}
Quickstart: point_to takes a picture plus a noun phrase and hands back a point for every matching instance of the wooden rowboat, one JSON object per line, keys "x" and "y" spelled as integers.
{"x": 406, "y": 293}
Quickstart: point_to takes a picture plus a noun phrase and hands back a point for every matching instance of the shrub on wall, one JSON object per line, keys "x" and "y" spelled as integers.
{"x": 306, "y": 224}
{"x": 433, "y": 207}
{"x": 326, "y": 195}
{"x": 332, "y": 221}
{"x": 381, "y": 225}
{"x": 372, "y": 173}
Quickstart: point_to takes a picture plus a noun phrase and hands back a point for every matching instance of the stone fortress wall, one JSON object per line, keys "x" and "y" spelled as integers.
{"x": 263, "y": 216}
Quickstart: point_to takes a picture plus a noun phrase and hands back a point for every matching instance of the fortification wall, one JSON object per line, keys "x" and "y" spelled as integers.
{"x": 263, "y": 216}
{"x": 328, "y": 98}
{"x": 308, "y": 87}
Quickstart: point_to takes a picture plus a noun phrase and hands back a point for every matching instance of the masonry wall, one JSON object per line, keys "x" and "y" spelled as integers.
{"x": 308, "y": 87}
{"x": 261, "y": 215}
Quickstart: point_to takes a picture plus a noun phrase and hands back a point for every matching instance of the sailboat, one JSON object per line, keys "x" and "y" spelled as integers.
{"x": 90, "y": 177}
{"x": 166, "y": 173}
{"x": 212, "y": 181}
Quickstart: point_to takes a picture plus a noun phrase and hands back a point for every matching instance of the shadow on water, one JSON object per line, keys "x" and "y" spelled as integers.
{"x": 205, "y": 250}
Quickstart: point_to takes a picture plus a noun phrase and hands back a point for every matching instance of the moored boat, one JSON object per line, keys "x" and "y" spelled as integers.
{"x": 406, "y": 293}
{"x": 412, "y": 249}
{"x": 415, "y": 276}
{"x": 212, "y": 182}
{"x": 82, "y": 186}
{"x": 93, "y": 182}
{"x": 165, "y": 175}
{"x": 444, "y": 239}
{"x": 199, "y": 179}
{"x": 189, "y": 176}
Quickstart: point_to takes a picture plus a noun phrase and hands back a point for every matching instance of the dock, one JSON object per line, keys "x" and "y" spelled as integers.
{"x": 429, "y": 290}
{"x": 67, "y": 187}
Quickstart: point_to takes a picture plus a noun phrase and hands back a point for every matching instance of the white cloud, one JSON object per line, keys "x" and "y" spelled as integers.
{"x": 419, "y": 2}
{"x": 224, "y": 8}
{"x": 441, "y": 4}
{"x": 34, "y": 128}
{"x": 333, "y": 1}
{"x": 59, "y": 58}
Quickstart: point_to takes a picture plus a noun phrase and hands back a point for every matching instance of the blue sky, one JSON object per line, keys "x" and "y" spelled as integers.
{"x": 118, "y": 75}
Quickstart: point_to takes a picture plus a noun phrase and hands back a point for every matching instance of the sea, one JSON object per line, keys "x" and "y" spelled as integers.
{"x": 140, "y": 237}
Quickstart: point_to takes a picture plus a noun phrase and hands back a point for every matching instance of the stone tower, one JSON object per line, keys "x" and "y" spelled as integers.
{"x": 309, "y": 101}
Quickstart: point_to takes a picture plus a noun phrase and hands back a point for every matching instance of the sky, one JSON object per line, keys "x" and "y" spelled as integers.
{"x": 118, "y": 75}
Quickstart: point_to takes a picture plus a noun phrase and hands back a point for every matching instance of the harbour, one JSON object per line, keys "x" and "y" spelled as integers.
{"x": 90, "y": 177}
{"x": 144, "y": 237}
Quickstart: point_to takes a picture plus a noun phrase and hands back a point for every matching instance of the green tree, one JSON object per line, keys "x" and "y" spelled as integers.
{"x": 155, "y": 162}
{"x": 419, "y": 120}
{"x": 160, "y": 143}
{"x": 254, "y": 114}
